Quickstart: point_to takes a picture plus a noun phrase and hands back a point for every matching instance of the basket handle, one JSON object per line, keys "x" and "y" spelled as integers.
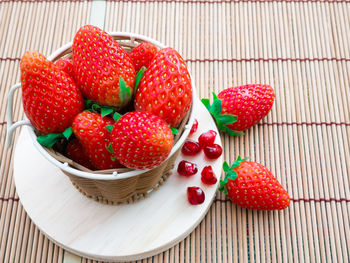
{"x": 10, "y": 125}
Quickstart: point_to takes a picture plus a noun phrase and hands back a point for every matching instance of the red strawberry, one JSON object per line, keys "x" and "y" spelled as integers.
{"x": 50, "y": 97}
{"x": 103, "y": 70}
{"x": 251, "y": 185}
{"x": 141, "y": 140}
{"x": 66, "y": 65}
{"x": 142, "y": 55}
{"x": 165, "y": 89}
{"x": 90, "y": 129}
{"x": 239, "y": 108}
{"x": 76, "y": 152}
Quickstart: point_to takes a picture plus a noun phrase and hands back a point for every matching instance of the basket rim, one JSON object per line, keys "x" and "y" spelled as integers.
{"x": 115, "y": 175}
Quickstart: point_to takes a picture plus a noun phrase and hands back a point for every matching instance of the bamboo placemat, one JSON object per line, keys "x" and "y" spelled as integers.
{"x": 301, "y": 48}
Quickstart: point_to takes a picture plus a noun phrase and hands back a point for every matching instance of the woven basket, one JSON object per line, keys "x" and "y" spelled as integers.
{"x": 121, "y": 185}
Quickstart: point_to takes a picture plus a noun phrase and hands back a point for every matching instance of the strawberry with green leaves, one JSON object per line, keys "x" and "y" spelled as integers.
{"x": 251, "y": 185}
{"x": 141, "y": 140}
{"x": 51, "y": 99}
{"x": 92, "y": 131}
{"x": 142, "y": 55}
{"x": 165, "y": 88}
{"x": 103, "y": 70}
{"x": 239, "y": 108}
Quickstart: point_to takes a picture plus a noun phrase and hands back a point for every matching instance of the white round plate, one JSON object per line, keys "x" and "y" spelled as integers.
{"x": 104, "y": 232}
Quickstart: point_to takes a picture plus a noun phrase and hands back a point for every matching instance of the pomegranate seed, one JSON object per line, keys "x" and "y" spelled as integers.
{"x": 208, "y": 176}
{"x": 191, "y": 148}
{"x": 194, "y": 126}
{"x": 213, "y": 151}
{"x": 186, "y": 168}
{"x": 207, "y": 138}
{"x": 195, "y": 195}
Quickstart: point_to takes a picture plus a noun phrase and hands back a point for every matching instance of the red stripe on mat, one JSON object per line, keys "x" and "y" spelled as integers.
{"x": 8, "y": 58}
{"x": 9, "y": 198}
{"x": 296, "y": 200}
{"x": 266, "y": 59}
{"x": 304, "y": 123}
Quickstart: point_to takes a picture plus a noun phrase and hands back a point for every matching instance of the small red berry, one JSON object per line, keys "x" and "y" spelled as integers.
{"x": 195, "y": 195}
{"x": 207, "y": 138}
{"x": 186, "y": 168}
{"x": 208, "y": 176}
{"x": 191, "y": 148}
{"x": 194, "y": 126}
{"x": 213, "y": 151}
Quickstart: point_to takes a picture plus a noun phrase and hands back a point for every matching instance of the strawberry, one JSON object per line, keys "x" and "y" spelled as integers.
{"x": 251, "y": 185}
{"x": 75, "y": 152}
{"x": 239, "y": 108}
{"x": 103, "y": 70}
{"x": 165, "y": 88}
{"x": 50, "y": 97}
{"x": 66, "y": 65}
{"x": 92, "y": 132}
{"x": 142, "y": 55}
{"x": 141, "y": 140}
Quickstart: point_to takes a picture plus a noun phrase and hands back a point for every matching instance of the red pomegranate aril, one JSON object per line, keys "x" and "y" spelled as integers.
{"x": 208, "y": 176}
{"x": 187, "y": 169}
{"x": 195, "y": 195}
{"x": 194, "y": 126}
{"x": 213, "y": 151}
{"x": 207, "y": 138}
{"x": 191, "y": 148}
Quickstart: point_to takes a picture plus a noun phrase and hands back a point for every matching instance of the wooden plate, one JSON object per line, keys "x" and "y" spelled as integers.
{"x": 105, "y": 232}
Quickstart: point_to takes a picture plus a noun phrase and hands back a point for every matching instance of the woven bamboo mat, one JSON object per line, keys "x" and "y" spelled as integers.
{"x": 300, "y": 48}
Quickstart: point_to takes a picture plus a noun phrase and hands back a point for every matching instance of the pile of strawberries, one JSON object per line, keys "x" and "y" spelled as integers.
{"x": 106, "y": 108}
{"x": 122, "y": 108}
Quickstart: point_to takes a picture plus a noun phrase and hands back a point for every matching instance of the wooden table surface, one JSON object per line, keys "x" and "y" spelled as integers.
{"x": 301, "y": 48}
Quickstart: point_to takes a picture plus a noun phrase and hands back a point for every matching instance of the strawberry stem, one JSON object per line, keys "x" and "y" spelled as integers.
{"x": 110, "y": 148}
{"x": 109, "y": 128}
{"x": 104, "y": 110}
{"x": 221, "y": 119}
{"x": 139, "y": 77}
{"x": 116, "y": 116}
{"x": 230, "y": 173}
{"x": 174, "y": 131}
{"x": 124, "y": 93}
{"x": 51, "y": 139}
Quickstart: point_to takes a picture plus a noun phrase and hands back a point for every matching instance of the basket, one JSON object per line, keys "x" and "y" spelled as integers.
{"x": 115, "y": 186}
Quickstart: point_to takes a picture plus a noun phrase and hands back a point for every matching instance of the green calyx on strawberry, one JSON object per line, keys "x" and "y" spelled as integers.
{"x": 221, "y": 119}
{"x": 241, "y": 107}
{"x": 51, "y": 139}
{"x": 230, "y": 173}
{"x": 139, "y": 76}
{"x": 93, "y": 106}
{"x": 251, "y": 185}
{"x": 103, "y": 70}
